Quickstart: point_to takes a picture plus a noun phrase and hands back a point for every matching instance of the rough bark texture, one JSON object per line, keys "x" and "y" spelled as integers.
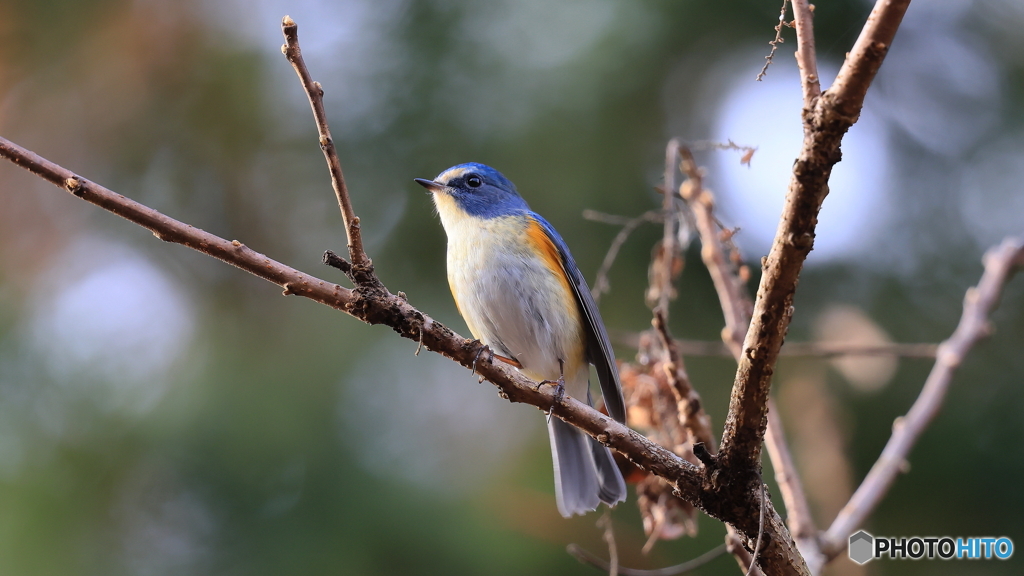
{"x": 826, "y": 120}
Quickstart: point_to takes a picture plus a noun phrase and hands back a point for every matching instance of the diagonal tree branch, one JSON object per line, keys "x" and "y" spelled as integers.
{"x": 798, "y": 509}
{"x": 824, "y": 127}
{"x": 732, "y": 295}
{"x": 374, "y": 306}
{"x": 1000, "y": 264}
{"x": 170, "y": 230}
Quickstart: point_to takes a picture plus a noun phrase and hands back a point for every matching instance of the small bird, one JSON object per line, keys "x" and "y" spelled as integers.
{"x": 521, "y": 294}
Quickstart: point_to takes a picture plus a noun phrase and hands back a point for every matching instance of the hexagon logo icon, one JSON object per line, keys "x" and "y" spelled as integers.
{"x": 861, "y": 545}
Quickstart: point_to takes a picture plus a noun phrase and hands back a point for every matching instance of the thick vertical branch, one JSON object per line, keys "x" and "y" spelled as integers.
{"x": 736, "y": 308}
{"x": 833, "y": 115}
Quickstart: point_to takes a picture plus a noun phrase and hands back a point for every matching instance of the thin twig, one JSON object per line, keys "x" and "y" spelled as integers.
{"x": 608, "y": 534}
{"x": 315, "y": 93}
{"x": 734, "y": 544}
{"x": 799, "y": 518}
{"x": 833, "y": 349}
{"x": 760, "y": 531}
{"x": 589, "y": 558}
{"x": 774, "y": 43}
{"x": 601, "y": 284}
{"x": 806, "y": 56}
{"x": 690, "y": 408}
{"x": 801, "y": 523}
{"x": 170, "y": 230}
{"x": 732, "y": 295}
{"x": 619, "y": 220}
{"x": 736, "y": 305}
{"x": 1000, "y": 263}
{"x": 736, "y": 308}
{"x": 701, "y": 145}
{"x": 791, "y": 349}
{"x": 668, "y": 242}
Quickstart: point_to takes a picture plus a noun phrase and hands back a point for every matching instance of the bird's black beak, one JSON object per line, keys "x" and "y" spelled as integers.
{"x": 430, "y": 185}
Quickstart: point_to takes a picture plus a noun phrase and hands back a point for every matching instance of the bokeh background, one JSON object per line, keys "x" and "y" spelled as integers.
{"x": 162, "y": 413}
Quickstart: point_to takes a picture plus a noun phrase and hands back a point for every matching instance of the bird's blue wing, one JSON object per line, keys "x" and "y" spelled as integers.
{"x": 599, "y": 348}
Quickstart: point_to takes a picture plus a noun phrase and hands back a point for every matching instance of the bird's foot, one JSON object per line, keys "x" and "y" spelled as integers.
{"x": 559, "y": 387}
{"x": 479, "y": 353}
{"x": 491, "y": 357}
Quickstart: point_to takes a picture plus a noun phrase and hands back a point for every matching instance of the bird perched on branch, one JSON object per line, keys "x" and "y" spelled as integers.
{"x": 521, "y": 294}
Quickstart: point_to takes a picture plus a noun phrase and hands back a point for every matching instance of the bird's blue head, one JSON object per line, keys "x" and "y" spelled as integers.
{"x": 474, "y": 190}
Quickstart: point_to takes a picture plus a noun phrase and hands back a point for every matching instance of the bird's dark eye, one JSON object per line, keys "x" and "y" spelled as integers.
{"x": 474, "y": 181}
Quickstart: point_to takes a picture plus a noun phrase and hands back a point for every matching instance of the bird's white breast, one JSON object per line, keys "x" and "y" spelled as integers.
{"x": 511, "y": 299}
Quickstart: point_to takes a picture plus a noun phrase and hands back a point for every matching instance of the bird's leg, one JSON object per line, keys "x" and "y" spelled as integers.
{"x": 484, "y": 348}
{"x": 510, "y": 361}
{"x": 492, "y": 357}
{"x": 558, "y": 384}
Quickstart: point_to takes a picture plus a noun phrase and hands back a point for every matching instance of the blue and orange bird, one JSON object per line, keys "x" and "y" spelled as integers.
{"x": 521, "y": 294}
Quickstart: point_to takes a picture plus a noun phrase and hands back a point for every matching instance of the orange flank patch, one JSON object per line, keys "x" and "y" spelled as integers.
{"x": 548, "y": 252}
{"x": 509, "y": 361}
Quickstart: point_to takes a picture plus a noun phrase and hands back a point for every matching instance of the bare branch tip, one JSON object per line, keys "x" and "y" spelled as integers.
{"x": 334, "y": 261}
{"x": 702, "y": 454}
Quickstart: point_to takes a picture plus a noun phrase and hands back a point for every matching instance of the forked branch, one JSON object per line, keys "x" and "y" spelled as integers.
{"x": 1000, "y": 264}
{"x": 824, "y": 129}
{"x": 315, "y": 93}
